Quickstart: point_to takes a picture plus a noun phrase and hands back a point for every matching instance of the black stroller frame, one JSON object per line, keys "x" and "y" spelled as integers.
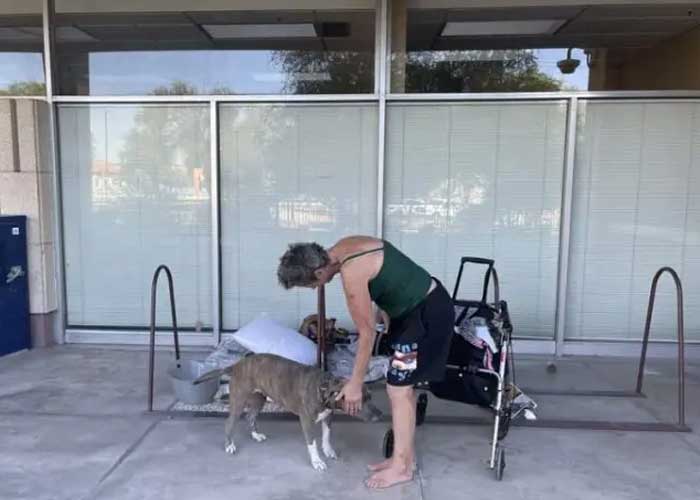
{"x": 502, "y": 401}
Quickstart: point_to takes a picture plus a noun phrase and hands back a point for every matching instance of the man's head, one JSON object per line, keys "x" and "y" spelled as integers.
{"x": 305, "y": 265}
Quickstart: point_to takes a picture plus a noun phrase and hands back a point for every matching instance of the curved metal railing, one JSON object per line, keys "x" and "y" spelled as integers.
{"x": 680, "y": 338}
{"x": 152, "y": 349}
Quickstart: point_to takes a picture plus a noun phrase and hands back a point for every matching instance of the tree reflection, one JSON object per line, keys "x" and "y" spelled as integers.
{"x": 166, "y": 151}
{"x": 477, "y": 71}
{"x": 515, "y": 70}
{"x": 309, "y": 72}
{"x": 28, "y": 88}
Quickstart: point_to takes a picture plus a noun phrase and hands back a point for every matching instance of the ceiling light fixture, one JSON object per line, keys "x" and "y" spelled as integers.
{"x": 499, "y": 28}
{"x": 239, "y": 31}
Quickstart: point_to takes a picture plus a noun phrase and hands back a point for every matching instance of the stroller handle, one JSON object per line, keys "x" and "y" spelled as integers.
{"x": 487, "y": 277}
{"x": 477, "y": 260}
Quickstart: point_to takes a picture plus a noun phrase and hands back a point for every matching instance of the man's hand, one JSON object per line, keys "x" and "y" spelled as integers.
{"x": 351, "y": 394}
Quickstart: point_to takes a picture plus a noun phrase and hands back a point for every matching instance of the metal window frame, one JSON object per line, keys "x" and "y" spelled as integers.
{"x": 261, "y": 98}
{"x": 565, "y": 225}
{"x": 47, "y": 24}
{"x": 540, "y": 96}
{"x": 382, "y": 97}
{"x": 126, "y": 335}
{"x": 382, "y": 74}
{"x": 610, "y": 346}
{"x": 216, "y": 311}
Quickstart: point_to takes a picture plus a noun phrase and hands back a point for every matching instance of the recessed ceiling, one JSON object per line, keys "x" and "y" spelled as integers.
{"x": 623, "y": 26}
{"x": 584, "y": 27}
{"x": 263, "y": 30}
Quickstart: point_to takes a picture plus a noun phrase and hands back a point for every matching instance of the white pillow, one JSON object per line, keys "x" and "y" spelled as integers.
{"x": 264, "y": 335}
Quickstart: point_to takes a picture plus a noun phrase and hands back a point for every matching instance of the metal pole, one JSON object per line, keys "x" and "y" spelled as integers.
{"x": 380, "y": 68}
{"x": 321, "y": 349}
{"x": 152, "y": 340}
{"x": 173, "y": 313}
{"x": 680, "y": 336}
{"x": 645, "y": 338}
{"x": 48, "y": 28}
{"x": 591, "y": 425}
{"x": 49, "y": 51}
{"x": 565, "y": 227}
{"x": 215, "y": 226}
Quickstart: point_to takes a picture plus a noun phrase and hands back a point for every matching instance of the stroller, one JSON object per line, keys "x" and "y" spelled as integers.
{"x": 476, "y": 373}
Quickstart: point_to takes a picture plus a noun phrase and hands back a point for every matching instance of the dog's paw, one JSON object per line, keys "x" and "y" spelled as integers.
{"x": 258, "y": 436}
{"x": 330, "y": 452}
{"x": 230, "y": 448}
{"x": 318, "y": 464}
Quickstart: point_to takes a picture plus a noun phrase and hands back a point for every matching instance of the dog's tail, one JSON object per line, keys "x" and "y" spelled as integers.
{"x": 212, "y": 374}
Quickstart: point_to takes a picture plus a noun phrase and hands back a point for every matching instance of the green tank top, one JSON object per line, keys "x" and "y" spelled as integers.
{"x": 400, "y": 285}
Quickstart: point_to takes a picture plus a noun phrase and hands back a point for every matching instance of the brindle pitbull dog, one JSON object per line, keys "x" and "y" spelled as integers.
{"x": 303, "y": 390}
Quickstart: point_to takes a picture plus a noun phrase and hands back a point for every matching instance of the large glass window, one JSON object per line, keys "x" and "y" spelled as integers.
{"x": 21, "y": 48}
{"x": 214, "y": 47}
{"x": 484, "y": 180}
{"x": 636, "y": 208}
{"x": 291, "y": 173}
{"x": 532, "y": 49}
{"x": 136, "y": 195}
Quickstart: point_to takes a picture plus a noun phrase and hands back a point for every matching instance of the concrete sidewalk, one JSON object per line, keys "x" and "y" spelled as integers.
{"x": 72, "y": 427}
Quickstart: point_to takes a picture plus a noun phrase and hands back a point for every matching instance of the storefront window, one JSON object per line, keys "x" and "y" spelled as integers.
{"x": 21, "y": 48}
{"x": 215, "y": 47}
{"x": 295, "y": 172}
{"x": 135, "y": 183}
{"x": 635, "y": 209}
{"x": 543, "y": 49}
{"x": 481, "y": 179}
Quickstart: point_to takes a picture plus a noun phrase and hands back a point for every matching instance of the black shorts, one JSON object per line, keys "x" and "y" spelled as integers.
{"x": 420, "y": 340}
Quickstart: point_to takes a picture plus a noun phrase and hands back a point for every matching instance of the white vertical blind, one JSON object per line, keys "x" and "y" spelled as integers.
{"x": 291, "y": 173}
{"x": 485, "y": 180}
{"x": 636, "y": 208}
{"x": 135, "y": 195}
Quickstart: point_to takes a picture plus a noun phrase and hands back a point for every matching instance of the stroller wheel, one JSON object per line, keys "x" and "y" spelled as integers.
{"x": 504, "y": 426}
{"x": 421, "y": 407}
{"x": 500, "y": 463}
{"x": 389, "y": 443}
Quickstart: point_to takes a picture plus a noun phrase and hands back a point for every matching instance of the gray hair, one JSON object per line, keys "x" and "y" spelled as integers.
{"x": 299, "y": 263}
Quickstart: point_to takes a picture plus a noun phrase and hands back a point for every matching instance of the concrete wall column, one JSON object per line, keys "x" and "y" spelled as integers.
{"x": 26, "y": 188}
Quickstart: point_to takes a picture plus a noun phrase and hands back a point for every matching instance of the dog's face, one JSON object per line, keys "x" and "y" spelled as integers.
{"x": 309, "y": 327}
{"x": 331, "y": 387}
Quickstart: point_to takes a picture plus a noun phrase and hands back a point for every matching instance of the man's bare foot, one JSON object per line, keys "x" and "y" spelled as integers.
{"x": 391, "y": 476}
{"x": 384, "y": 465}
{"x": 379, "y": 465}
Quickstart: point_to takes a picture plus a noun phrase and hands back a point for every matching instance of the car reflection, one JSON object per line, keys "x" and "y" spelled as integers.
{"x": 113, "y": 182}
{"x": 304, "y": 213}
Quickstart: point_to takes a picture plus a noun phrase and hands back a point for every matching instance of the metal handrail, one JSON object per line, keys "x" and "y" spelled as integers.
{"x": 151, "y": 359}
{"x": 680, "y": 334}
{"x": 321, "y": 330}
